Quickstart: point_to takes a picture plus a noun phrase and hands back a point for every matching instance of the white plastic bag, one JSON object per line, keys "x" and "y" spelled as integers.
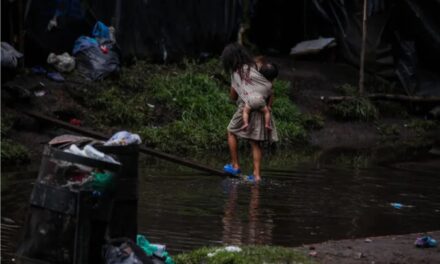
{"x": 63, "y": 62}
{"x": 123, "y": 138}
{"x": 9, "y": 56}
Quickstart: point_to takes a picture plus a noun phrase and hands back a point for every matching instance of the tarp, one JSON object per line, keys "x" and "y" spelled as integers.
{"x": 403, "y": 37}
{"x": 162, "y": 30}
{"x": 312, "y": 46}
{"x": 168, "y": 30}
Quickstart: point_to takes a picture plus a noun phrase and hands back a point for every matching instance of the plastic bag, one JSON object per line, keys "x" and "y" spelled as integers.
{"x": 101, "y": 31}
{"x": 9, "y": 56}
{"x": 124, "y": 251}
{"x": 93, "y": 64}
{"x": 123, "y": 138}
{"x": 63, "y": 62}
{"x": 83, "y": 43}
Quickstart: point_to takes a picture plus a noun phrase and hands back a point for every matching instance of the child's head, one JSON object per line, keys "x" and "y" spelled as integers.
{"x": 269, "y": 71}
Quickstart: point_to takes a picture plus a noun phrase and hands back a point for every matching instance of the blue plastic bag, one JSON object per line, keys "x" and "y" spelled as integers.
{"x": 101, "y": 31}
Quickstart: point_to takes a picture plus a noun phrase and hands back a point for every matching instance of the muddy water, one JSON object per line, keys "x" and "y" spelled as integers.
{"x": 298, "y": 202}
{"x": 294, "y": 205}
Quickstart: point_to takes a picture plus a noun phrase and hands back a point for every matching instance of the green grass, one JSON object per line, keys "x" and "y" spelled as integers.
{"x": 357, "y": 109}
{"x": 183, "y": 107}
{"x": 249, "y": 254}
{"x": 11, "y": 151}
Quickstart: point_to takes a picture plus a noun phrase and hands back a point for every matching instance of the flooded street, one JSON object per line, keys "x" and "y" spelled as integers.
{"x": 295, "y": 204}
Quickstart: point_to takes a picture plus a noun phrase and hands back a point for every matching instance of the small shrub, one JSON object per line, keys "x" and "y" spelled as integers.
{"x": 313, "y": 121}
{"x": 13, "y": 153}
{"x": 391, "y": 130}
{"x": 347, "y": 89}
{"x": 359, "y": 108}
{"x": 421, "y": 126}
{"x": 391, "y": 109}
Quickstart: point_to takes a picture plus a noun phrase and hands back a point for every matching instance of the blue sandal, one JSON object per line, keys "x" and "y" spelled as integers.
{"x": 228, "y": 168}
{"x": 250, "y": 178}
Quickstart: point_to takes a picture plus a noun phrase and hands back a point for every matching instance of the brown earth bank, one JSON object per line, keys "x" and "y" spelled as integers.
{"x": 396, "y": 249}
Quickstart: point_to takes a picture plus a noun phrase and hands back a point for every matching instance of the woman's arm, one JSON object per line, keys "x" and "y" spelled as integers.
{"x": 233, "y": 95}
{"x": 270, "y": 100}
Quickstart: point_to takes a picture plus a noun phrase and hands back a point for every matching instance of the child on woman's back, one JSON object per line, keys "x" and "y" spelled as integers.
{"x": 255, "y": 101}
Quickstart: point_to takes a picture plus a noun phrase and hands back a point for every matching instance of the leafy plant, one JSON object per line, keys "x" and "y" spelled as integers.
{"x": 12, "y": 152}
{"x": 359, "y": 108}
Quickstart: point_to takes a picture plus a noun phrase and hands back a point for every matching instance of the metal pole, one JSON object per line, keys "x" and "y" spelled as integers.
{"x": 364, "y": 39}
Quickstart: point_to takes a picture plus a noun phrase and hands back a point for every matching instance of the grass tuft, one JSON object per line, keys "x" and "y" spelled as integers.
{"x": 249, "y": 254}
{"x": 357, "y": 109}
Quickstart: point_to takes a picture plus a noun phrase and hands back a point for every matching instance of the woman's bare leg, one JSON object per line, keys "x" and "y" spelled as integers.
{"x": 256, "y": 155}
{"x": 233, "y": 150}
{"x": 246, "y": 112}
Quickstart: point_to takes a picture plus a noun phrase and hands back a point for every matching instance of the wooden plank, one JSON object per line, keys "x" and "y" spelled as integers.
{"x": 143, "y": 149}
{"x": 388, "y": 97}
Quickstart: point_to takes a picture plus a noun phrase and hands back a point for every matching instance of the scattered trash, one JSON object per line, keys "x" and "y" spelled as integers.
{"x": 38, "y": 70}
{"x": 153, "y": 249}
{"x": 312, "y": 46}
{"x": 9, "y": 56}
{"x": 359, "y": 255}
{"x": 313, "y": 253}
{"x": 425, "y": 242}
{"x": 97, "y": 56}
{"x": 40, "y": 93}
{"x": 90, "y": 152}
{"x": 104, "y": 49}
{"x": 75, "y": 122}
{"x": 124, "y": 252}
{"x": 123, "y": 138}
{"x": 69, "y": 139}
{"x": 63, "y": 62}
{"x": 101, "y": 180}
{"x": 150, "y": 106}
{"x": 7, "y": 220}
{"x": 397, "y": 205}
{"x": 225, "y": 249}
{"x": 53, "y": 23}
{"x": 367, "y": 240}
{"x": 101, "y": 31}
{"x": 93, "y": 64}
{"x": 83, "y": 43}
{"x": 55, "y": 76}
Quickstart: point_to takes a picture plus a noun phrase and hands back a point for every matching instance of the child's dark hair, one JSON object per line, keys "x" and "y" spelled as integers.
{"x": 269, "y": 71}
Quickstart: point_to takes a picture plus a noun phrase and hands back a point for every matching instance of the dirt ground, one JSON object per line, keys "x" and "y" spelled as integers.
{"x": 399, "y": 249}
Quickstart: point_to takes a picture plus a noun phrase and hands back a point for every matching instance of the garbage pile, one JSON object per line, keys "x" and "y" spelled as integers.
{"x": 9, "y": 56}
{"x": 95, "y": 57}
{"x": 76, "y": 214}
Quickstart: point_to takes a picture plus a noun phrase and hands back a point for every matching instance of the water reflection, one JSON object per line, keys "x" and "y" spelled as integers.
{"x": 256, "y": 230}
{"x": 295, "y": 203}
